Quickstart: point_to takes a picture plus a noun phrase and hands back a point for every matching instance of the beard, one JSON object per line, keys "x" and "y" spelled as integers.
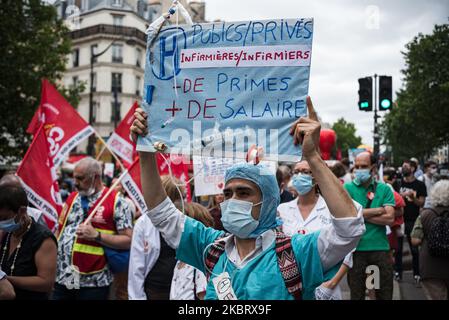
{"x": 87, "y": 193}
{"x": 406, "y": 173}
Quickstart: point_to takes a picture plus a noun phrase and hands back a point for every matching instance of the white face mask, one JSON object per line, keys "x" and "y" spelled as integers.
{"x": 236, "y": 217}
{"x": 433, "y": 171}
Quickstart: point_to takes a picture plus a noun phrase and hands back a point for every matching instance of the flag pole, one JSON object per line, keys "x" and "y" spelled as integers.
{"x": 101, "y": 152}
{"x": 113, "y": 154}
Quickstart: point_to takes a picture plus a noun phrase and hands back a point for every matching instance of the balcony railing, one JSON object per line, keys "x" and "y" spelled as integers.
{"x": 109, "y": 29}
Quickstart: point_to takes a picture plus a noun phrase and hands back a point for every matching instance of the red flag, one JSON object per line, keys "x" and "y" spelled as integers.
{"x": 34, "y": 123}
{"x": 64, "y": 127}
{"x": 131, "y": 180}
{"x": 120, "y": 141}
{"x": 179, "y": 169}
{"x": 38, "y": 178}
{"x": 131, "y": 183}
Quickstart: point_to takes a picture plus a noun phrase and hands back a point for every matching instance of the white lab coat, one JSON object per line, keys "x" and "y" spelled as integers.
{"x": 145, "y": 249}
{"x": 185, "y": 279}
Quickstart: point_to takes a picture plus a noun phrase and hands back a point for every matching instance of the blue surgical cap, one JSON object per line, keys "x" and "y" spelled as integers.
{"x": 267, "y": 183}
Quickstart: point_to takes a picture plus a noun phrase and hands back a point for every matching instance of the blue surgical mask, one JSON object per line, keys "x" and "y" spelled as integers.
{"x": 9, "y": 225}
{"x": 236, "y": 217}
{"x": 362, "y": 175}
{"x": 303, "y": 183}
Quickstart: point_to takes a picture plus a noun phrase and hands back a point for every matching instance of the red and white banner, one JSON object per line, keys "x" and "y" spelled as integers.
{"x": 64, "y": 127}
{"x": 131, "y": 183}
{"x": 38, "y": 177}
{"x": 120, "y": 141}
{"x": 179, "y": 169}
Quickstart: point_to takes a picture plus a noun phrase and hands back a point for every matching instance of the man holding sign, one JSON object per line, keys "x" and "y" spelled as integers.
{"x": 255, "y": 261}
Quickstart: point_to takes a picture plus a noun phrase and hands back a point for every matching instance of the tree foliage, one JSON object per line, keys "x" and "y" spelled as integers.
{"x": 346, "y": 135}
{"x": 34, "y": 45}
{"x": 419, "y": 121}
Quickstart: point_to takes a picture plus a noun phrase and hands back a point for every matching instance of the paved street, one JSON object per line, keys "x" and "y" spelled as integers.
{"x": 403, "y": 290}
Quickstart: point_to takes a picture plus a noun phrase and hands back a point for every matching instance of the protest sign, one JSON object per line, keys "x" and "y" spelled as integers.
{"x": 131, "y": 179}
{"x": 133, "y": 186}
{"x": 209, "y": 173}
{"x": 216, "y": 89}
{"x": 120, "y": 141}
{"x": 108, "y": 170}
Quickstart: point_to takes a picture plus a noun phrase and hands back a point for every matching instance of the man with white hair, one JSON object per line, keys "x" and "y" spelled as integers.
{"x": 80, "y": 250}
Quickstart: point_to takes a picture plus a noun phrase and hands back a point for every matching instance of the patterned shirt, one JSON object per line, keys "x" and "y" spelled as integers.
{"x": 122, "y": 219}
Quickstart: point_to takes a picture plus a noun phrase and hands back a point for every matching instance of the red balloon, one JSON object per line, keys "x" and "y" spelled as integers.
{"x": 327, "y": 141}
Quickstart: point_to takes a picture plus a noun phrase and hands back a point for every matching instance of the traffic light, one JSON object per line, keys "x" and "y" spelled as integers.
{"x": 366, "y": 94}
{"x": 385, "y": 93}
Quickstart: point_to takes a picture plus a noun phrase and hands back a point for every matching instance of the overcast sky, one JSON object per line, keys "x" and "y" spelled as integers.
{"x": 346, "y": 44}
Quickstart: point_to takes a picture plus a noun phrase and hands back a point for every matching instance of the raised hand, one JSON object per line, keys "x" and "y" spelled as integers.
{"x": 306, "y": 131}
{"x": 140, "y": 124}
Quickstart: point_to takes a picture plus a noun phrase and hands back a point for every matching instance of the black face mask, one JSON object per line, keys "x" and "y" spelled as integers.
{"x": 406, "y": 172}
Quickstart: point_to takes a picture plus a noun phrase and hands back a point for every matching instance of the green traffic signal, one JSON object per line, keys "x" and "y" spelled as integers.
{"x": 365, "y": 94}
{"x": 385, "y": 93}
{"x": 364, "y": 104}
{"x": 385, "y": 104}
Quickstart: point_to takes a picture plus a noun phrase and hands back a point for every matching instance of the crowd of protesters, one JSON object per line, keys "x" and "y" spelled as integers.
{"x": 330, "y": 220}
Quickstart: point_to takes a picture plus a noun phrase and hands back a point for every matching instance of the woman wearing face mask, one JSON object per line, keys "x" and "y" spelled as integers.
{"x": 309, "y": 213}
{"x": 28, "y": 249}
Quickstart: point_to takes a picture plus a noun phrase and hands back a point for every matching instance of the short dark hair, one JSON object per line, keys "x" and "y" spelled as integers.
{"x": 279, "y": 177}
{"x": 345, "y": 162}
{"x": 412, "y": 164}
{"x": 429, "y": 163}
{"x": 390, "y": 173}
{"x": 12, "y": 197}
{"x": 338, "y": 169}
{"x": 286, "y": 171}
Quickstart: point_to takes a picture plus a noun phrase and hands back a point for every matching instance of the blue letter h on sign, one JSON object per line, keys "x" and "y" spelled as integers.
{"x": 173, "y": 53}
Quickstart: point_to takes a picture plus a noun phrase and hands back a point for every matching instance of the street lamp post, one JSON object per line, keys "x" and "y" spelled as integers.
{"x": 90, "y": 145}
{"x": 376, "y": 127}
{"x": 116, "y": 108}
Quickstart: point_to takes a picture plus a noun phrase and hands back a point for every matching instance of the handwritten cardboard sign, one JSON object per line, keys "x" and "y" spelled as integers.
{"x": 215, "y": 89}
